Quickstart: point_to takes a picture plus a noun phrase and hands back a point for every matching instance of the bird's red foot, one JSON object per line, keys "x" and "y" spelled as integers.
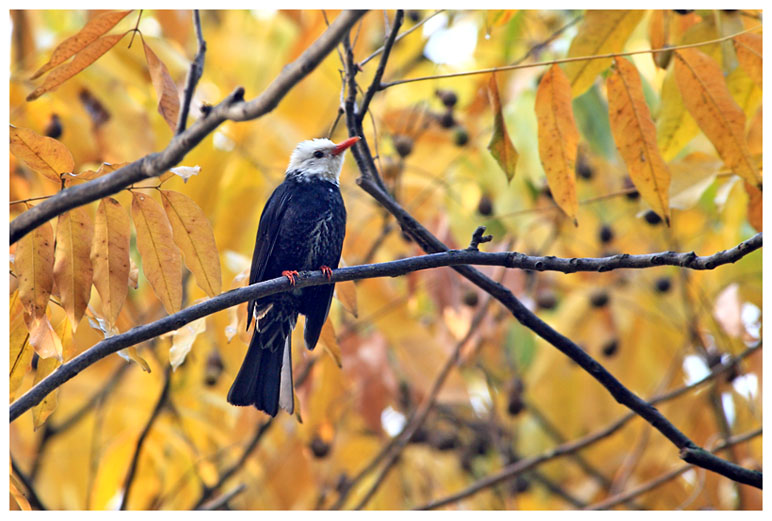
{"x": 327, "y": 272}
{"x": 290, "y": 275}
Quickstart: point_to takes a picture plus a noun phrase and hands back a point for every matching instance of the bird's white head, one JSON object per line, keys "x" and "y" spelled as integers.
{"x": 319, "y": 157}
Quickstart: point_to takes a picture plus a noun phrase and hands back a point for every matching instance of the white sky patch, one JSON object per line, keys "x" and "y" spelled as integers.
{"x": 746, "y": 385}
{"x": 392, "y": 421}
{"x": 695, "y": 369}
{"x": 751, "y": 317}
{"x": 451, "y": 45}
{"x": 728, "y": 402}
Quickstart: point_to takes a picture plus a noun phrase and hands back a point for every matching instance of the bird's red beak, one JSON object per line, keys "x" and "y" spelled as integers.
{"x": 344, "y": 145}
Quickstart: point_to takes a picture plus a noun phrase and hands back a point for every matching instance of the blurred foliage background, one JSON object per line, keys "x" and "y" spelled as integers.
{"x": 511, "y": 395}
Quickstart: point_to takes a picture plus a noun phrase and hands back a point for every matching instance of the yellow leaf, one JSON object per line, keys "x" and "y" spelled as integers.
{"x": 636, "y": 136}
{"x": 72, "y": 262}
{"x": 558, "y": 138}
{"x": 18, "y": 497}
{"x": 64, "y": 332}
{"x": 110, "y": 256}
{"x": 42, "y": 154}
{"x": 708, "y": 100}
{"x": 601, "y": 32}
{"x": 195, "y": 238}
{"x": 501, "y": 146}
{"x": 346, "y": 292}
{"x": 19, "y": 349}
{"x": 183, "y": 339}
{"x": 95, "y": 28}
{"x": 659, "y": 31}
{"x": 43, "y": 410}
{"x": 83, "y": 59}
{"x": 690, "y": 177}
{"x": 168, "y": 98}
{"x": 330, "y": 342}
{"x": 161, "y": 262}
{"x": 34, "y": 265}
{"x": 131, "y": 353}
{"x": 44, "y": 339}
{"x": 755, "y": 204}
{"x": 675, "y": 127}
{"x": 749, "y": 54}
{"x": 746, "y": 93}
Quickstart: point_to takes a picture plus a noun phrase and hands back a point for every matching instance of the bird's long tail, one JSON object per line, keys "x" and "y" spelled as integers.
{"x": 265, "y": 377}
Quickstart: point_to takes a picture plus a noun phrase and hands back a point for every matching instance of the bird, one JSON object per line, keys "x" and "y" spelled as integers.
{"x": 301, "y": 228}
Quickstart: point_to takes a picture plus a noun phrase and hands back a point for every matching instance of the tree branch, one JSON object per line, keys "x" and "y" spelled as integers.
{"x": 143, "y": 436}
{"x": 527, "y": 318}
{"x": 574, "y": 446}
{"x": 456, "y": 258}
{"x": 375, "y": 86}
{"x": 194, "y": 74}
{"x": 232, "y": 108}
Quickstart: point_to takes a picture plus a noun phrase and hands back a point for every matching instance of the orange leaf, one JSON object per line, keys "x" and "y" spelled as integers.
{"x": 83, "y": 59}
{"x": 42, "y": 154}
{"x": 72, "y": 262}
{"x": 749, "y": 54}
{"x": 346, "y": 292}
{"x": 755, "y": 206}
{"x": 95, "y": 28}
{"x": 601, "y": 32}
{"x": 104, "y": 168}
{"x": 161, "y": 260}
{"x": 330, "y": 342}
{"x": 43, "y": 410}
{"x": 659, "y": 32}
{"x": 44, "y": 339}
{"x": 708, "y": 100}
{"x": 110, "y": 256}
{"x": 636, "y": 136}
{"x": 558, "y": 138}
{"x": 168, "y": 98}
{"x": 501, "y": 146}
{"x": 194, "y": 236}
{"x": 34, "y": 264}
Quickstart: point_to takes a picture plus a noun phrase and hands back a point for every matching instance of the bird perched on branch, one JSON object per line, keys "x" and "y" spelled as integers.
{"x": 301, "y": 228}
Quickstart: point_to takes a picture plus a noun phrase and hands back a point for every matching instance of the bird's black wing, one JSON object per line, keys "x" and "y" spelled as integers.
{"x": 267, "y": 233}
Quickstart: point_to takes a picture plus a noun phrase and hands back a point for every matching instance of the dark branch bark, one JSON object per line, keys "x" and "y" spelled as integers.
{"x": 194, "y": 74}
{"x": 456, "y": 258}
{"x": 431, "y": 244}
{"x": 232, "y": 108}
{"x": 31, "y": 496}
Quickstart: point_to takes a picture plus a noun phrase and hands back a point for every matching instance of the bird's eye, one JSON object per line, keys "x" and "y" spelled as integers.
{"x": 318, "y": 154}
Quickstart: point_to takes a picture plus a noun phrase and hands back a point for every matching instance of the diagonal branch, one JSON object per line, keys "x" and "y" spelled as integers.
{"x": 194, "y": 74}
{"x": 375, "y": 86}
{"x": 232, "y": 108}
{"x": 457, "y": 258}
{"x": 527, "y": 318}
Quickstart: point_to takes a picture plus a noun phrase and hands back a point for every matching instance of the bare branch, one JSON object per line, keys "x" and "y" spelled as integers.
{"x": 132, "y": 472}
{"x": 527, "y": 318}
{"x": 574, "y": 446}
{"x": 220, "y": 502}
{"x": 375, "y": 86}
{"x": 232, "y": 108}
{"x": 194, "y": 74}
{"x": 31, "y": 495}
{"x": 455, "y": 258}
{"x": 654, "y": 483}
{"x": 416, "y": 26}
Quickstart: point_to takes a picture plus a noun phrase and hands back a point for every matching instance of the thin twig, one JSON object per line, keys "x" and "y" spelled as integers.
{"x": 566, "y": 60}
{"x": 220, "y": 502}
{"x": 194, "y": 74}
{"x": 129, "y": 481}
{"x": 654, "y": 483}
{"x": 416, "y": 26}
{"x": 376, "y": 83}
{"x": 31, "y": 495}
